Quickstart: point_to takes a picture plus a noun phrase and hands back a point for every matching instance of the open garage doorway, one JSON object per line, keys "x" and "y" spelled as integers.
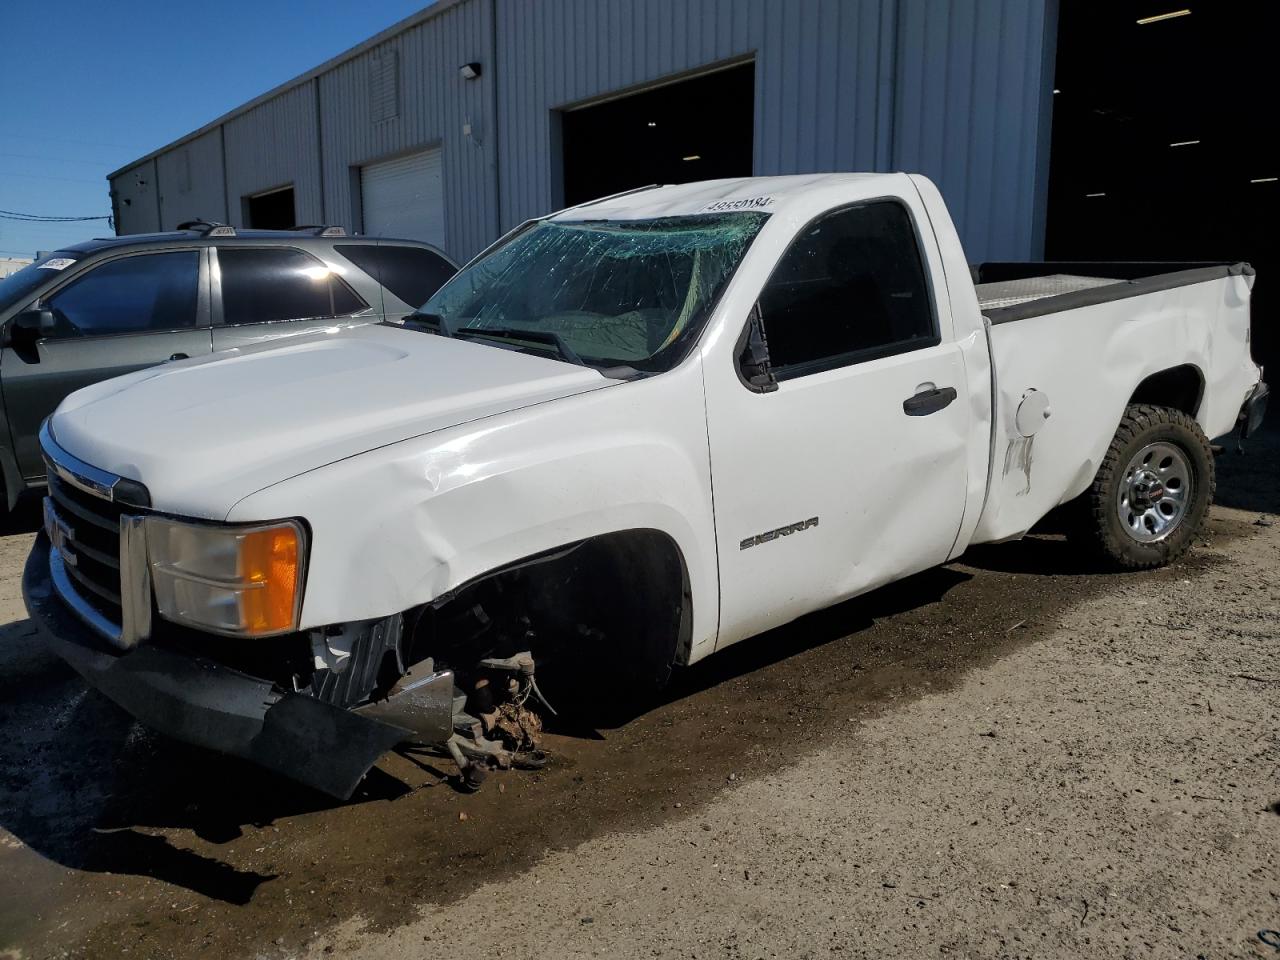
{"x": 272, "y": 210}
{"x": 701, "y": 128}
{"x": 1162, "y": 142}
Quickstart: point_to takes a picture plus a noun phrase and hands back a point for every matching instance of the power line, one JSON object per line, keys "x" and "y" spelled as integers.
{"x": 39, "y": 218}
{"x": 35, "y": 156}
{"x": 34, "y": 176}
{"x": 83, "y": 143}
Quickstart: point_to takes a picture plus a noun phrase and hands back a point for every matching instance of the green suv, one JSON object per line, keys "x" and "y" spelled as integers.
{"x": 106, "y": 307}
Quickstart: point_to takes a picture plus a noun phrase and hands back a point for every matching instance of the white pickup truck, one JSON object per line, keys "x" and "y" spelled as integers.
{"x": 625, "y": 436}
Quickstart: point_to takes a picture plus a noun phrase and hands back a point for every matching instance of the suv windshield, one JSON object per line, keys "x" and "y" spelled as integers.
{"x": 18, "y": 285}
{"x": 615, "y": 292}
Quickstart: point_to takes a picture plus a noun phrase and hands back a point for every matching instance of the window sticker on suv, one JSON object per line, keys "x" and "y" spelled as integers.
{"x": 57, "y": 263}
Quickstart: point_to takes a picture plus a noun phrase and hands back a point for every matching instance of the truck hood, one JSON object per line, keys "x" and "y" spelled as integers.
{"x": 203, "y": 434}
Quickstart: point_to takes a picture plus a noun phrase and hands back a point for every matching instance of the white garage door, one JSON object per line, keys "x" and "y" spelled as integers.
{"x": 404, "y": 198}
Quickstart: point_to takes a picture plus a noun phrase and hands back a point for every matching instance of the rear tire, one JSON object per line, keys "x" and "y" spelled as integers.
{"x": 1152, "y": 490}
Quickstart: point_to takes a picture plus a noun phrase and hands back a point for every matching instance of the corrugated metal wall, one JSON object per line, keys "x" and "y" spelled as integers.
{"x": 820, "y": 100}
{"x": 190, "y": 180}
{"x": 434, "y": 104}
{"x": 973, "y": 104}
{"x": 955, "y": 89}
{"x": 276, "y": 143}
{"x": 134, "y": 199}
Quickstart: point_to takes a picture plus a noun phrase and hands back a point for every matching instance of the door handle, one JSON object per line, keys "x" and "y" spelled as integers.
{"x": 179, "y": 356}
{"x": 928, "y": 401}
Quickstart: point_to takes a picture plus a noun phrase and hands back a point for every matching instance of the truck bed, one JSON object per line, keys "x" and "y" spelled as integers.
{"x": 1017, "y": 291}
{"x": 1008, "y": 293}
{"x": 1101, "y": 331}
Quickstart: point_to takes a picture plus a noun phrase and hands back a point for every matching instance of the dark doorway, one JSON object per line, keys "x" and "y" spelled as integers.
{"x": 271, "y": 211}
{"x": 696, "y": 129}
{"x": 1161, "y": 146}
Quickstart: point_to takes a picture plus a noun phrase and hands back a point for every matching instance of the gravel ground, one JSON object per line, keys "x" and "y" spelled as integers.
{"x": 1011, "y": 756}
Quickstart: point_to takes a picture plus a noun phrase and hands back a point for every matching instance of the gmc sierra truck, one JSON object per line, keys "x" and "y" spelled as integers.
{"x": 625, "y": 436}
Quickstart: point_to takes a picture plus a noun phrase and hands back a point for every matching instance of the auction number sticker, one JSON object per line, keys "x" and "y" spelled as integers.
{"x": 746, "y": 203}
{"x": 57, "y": 263}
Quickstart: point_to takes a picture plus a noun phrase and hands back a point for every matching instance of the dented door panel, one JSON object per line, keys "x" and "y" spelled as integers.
{"x": 871, "y": 495}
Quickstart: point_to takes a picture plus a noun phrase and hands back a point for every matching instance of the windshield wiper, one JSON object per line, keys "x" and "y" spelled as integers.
{"x": 429, "y": 322}
{"x": 436, "y": 323}
{"x": 549, "y": 337}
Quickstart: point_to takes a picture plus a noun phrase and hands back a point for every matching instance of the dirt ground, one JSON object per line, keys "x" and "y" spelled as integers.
{"x": 1010, "y": 756}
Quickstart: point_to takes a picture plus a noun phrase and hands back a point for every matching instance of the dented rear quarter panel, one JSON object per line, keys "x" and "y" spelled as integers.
{"x": 1088, "y": 361}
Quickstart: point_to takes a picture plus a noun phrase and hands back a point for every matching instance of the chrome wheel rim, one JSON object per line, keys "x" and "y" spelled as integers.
{"x": 1155, "y": 492}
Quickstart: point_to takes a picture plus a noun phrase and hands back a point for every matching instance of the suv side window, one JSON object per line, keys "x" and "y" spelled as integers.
{"x": 411, "y": 273}
{"x": 261, "y": 284}
{"x": 850, "y": 288}
{"x": 146, "y": 292}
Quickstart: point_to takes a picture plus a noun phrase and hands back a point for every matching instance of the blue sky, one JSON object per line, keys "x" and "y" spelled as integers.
{"x": 86, "y": 86}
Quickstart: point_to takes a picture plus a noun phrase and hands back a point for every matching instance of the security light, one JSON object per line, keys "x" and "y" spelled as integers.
{"x": 469, "y": 71}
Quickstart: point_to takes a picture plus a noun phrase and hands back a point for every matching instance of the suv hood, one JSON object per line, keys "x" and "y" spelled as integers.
{"x": 203, "y": 434}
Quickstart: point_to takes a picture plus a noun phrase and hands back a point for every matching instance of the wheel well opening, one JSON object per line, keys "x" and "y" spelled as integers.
{"x": 609, "y": 609}
{"x": 1179, "y": 387}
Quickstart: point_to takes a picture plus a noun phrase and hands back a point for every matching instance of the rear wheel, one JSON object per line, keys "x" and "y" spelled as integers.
{"x": 1152, "y": 490}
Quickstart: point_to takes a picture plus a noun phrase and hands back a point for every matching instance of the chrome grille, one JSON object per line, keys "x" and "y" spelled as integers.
{"x": 98, "y": 554}
{"x": 85, "y": 530}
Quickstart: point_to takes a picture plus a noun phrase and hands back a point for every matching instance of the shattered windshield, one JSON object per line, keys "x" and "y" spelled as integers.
{"x": 606, "y": 292}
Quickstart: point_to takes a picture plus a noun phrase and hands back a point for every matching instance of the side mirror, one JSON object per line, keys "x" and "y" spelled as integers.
{"x": 754, "y": 359}
{"x": 32, "y": 325}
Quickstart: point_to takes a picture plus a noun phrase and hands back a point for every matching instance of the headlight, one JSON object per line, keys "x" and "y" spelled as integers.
{"x": 240, "y": 581}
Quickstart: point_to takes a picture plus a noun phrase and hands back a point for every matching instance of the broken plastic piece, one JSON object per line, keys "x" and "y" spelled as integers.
{"x": 421, "y": 701}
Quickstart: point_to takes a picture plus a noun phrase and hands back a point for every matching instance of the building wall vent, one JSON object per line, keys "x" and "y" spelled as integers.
{"x": 384, "y": 86}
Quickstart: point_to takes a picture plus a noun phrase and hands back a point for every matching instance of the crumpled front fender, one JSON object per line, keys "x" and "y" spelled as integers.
{"x": 403, "y": 524}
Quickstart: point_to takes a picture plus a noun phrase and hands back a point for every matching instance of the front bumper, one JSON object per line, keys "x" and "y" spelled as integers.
{"x": 210, "y": 705}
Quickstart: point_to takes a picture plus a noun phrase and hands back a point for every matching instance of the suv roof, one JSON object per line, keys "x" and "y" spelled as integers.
{"x": 224, "y": 235}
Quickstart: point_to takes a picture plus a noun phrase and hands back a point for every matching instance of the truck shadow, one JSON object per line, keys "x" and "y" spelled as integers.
{"x": 25, "y": 517}
{"x": 83, "y": 785}
{"x": 815, "y": 630}
{"x": 1247, "y": 478}
{"x": 1043, "y": 554}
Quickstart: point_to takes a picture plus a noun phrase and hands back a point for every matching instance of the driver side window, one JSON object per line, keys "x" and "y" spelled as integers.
{"x": 144, "y": 293}
{"x": 850, "y": 288}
